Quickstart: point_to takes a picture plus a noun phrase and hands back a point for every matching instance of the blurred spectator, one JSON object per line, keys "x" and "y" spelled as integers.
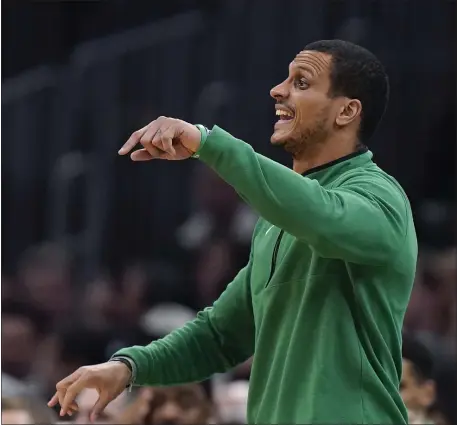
{"x": 45, "y": 277}
{"x": 217, "y": 233}
{"x": 417, "y": 385}
{"x": 21, "y": 338}
{"x": 177, "y": 405}
{"x": 100, "y": 303}
{"x": 217, "y": 210}
{"x": 180, "y": 405}
{"x": 144, "y": 285}
{"x": 24, "y": 411}
{"x": 216, "y": 265}
{"x": 432, "y": 309}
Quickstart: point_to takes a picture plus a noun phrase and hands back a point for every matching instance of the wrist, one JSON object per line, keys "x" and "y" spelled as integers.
{"x": 129, "y": 366}
{"x": 204, "y": 133}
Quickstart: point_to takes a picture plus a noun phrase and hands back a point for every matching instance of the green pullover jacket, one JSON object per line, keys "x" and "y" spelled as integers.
{"x": 320, "y": 304}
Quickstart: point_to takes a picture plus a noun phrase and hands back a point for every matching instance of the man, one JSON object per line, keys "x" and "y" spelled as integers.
{"x": 321, "y": 301}
{"x": 417, "y": 386}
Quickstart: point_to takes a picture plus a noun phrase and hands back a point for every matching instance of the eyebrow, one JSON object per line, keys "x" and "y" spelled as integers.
{"x": 304, "y": 68}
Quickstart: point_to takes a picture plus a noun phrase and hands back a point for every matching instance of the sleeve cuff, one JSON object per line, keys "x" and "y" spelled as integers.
{"x": 204, "y": 135}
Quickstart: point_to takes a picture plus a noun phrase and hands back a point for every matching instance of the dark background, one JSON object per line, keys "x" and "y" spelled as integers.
{"x": 218, "y": 69}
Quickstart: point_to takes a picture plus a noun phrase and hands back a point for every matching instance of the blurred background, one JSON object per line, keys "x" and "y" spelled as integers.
{"x": 100, "y": 253}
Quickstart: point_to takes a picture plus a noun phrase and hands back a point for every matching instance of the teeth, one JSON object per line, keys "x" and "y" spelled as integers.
{"x": 280, "y": 112}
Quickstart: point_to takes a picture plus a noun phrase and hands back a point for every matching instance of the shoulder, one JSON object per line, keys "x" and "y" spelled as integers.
{"x": 372, "y": 180}
{"x": 382, "y": 190}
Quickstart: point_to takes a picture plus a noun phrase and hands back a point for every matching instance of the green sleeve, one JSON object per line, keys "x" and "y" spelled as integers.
{"x": 363, "y": 221}
{"x": 212, "y": 343}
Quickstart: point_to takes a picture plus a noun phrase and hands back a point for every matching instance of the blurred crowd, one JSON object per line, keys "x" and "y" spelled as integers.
{"x": 54, "y": 322}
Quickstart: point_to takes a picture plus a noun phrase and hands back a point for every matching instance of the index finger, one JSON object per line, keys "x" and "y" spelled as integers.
{"x": 54, "y": 400}
{"x": 62, "y": 386}
{"x": 133, "y": 140}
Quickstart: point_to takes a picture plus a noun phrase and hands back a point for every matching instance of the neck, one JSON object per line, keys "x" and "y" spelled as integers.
{"x": 322, "y": 153}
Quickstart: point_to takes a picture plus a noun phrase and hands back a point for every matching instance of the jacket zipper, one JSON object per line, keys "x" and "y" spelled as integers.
{"x": 275, "y": 256}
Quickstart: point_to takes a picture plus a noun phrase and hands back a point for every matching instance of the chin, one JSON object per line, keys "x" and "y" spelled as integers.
{"x": 278, "y": 139}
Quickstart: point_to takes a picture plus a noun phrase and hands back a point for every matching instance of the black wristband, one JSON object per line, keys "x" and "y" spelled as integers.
{"x": 124, "y": 361}
{"x": 129, "y": 365}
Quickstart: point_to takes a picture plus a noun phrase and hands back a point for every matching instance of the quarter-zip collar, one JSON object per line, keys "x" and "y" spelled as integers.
{"x": 329, "y": 171}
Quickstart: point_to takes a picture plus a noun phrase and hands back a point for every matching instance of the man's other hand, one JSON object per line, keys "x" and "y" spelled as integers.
{"x": 109, "y": 379}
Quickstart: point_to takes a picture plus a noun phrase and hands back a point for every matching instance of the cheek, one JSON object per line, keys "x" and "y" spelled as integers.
{"x": 312, "y": 110}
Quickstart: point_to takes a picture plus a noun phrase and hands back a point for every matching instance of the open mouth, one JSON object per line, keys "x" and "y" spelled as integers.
{"x": 284, "y": 116}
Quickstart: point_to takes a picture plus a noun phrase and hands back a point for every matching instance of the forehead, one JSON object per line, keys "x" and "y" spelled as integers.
{"x": 315, "y": 63}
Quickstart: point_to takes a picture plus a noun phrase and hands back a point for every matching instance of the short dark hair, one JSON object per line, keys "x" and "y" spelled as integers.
{"x": 358, "y": 74}
{"x": 419, "y": 355}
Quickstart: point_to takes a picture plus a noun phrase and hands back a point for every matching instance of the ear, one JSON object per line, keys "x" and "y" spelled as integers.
{"x": 349, "y": 111}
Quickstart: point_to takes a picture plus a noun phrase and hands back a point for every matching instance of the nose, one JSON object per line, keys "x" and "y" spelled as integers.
{"x": 280, "y": 91}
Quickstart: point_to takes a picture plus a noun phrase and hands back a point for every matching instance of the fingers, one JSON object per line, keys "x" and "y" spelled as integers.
{"x": 99, "y": 406}
{"x": 141, "y": 155}
{"x": 61, "y": 388}
{"x": 147, "y": 154}
{"x": 159, "y": 133}
{"x": 164, "y": 140}
{"x": 154, "y": 128}
{"x": 133, "y": 140}
{"x": 73, "y": 409}
{"x": 54, "y": 400}
{"x": 68, "y": 402}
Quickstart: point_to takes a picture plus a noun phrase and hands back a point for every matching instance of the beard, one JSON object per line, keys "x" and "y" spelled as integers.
{"x": 303, "y": 141}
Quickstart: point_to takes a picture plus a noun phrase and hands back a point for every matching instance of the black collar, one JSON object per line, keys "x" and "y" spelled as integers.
{"x": 360, "y": 151}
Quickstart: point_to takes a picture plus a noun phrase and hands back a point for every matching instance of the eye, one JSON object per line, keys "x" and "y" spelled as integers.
{"x": 301, "y": 83}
